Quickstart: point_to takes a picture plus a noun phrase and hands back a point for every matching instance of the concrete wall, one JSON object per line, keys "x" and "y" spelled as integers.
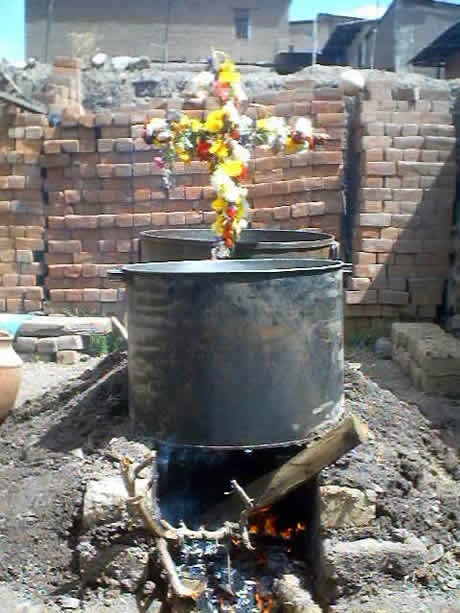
{"x": 301, "y": 35}
{"x": 365, "y": 37}
{"x": 453, "y": 66}
{"x": 407, "y": 27}
{"x": 140, "y": 28}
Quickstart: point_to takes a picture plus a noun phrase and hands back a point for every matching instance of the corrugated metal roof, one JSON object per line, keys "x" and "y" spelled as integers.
{"x": 343, "y": 34}
{"x": 440, "y": 49}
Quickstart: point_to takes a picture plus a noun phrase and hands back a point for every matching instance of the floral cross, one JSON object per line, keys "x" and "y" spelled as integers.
{"x": 224, "y": 141}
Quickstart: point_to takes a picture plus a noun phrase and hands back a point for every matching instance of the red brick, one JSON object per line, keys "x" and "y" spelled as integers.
{"x": 175, "y": 219}
{"x": 381, "y": 168}
{"x": 193, "y": 218}
{"x": 376, "y": 245}
{"x": 193, "y": 193}
{"x": 282, "y": 212}
{"x": 361, "y": 297}
{"x": 142, "y": 219}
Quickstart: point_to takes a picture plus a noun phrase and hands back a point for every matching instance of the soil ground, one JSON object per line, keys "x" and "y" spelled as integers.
{"x": 47, "y": 454}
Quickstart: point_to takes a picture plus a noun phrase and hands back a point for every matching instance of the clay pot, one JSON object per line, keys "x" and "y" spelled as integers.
{"x": 10, "y": 374}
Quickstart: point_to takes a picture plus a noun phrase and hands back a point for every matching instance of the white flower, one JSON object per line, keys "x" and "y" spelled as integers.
{"x": 245, "y": 124}
{"x": 303, "y": 126}
{"x": 240, "y": 153}
{"x": 156, "y": 125}
{"x": 238, "y": 92}
{"x": 203, "y": 80}
{"x": 232, "y": 112}
{"x": 226, "y": 187}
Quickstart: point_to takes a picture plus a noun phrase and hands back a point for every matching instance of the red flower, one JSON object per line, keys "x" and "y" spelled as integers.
{"x": 244, "y": 172}
{"x": 158, "y": 161}
{"x": 202, "y": 149}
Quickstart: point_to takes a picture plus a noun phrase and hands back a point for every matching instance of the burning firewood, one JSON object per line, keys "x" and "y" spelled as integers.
{"x": 276, "y": 485}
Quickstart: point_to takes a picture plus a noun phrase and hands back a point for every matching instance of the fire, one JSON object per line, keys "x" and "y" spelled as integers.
{"x": 265, "y": 604}
{"x": 287, "y": 533}
{"x": 270, "y": 526}
{"x": 301, "y": 527}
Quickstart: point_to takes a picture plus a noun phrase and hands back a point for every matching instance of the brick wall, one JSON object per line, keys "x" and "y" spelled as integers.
{"x": 92, "y": 188}
{"x": 403, "y": 222}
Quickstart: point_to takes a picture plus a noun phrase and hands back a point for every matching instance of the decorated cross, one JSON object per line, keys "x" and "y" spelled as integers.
{"x": 224, "y": 141}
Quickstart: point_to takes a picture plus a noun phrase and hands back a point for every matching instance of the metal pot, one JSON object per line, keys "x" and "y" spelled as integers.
{"x": 235, "y": 353}
{"x": 196, "y": 244}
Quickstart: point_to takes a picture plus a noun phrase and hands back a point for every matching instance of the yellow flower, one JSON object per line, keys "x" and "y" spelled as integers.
{"x": 291, "y": 146}
{"x": 233, "y": 168}
{"x": 183, "y": 155}
{"x": 184, "y": 121}
{"x": 218, "y": 225}
{"x": 219, "y": 149}
{"x": 228, "y": 73}
{"x": 214, "y": 121}
{"x": 219, "y": 205}
{"x": 195, "y": 125}
{"x": 261, "y": 124}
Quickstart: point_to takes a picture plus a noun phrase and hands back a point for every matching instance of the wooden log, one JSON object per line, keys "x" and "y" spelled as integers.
{"x": 274, "y": 486}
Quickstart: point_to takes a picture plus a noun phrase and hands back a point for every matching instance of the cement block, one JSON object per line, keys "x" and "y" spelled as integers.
{"x": 67, "y": 357}
{"x": 71, "y": 342}
{"x": 47, "y": 345}
{"x": 25, "y": 344}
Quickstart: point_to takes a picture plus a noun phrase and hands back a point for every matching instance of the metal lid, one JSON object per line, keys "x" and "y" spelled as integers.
{"x": 278, "y": 266}
{"x": 256, "y": 239}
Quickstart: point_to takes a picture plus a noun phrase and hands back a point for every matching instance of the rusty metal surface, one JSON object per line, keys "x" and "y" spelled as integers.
{"x": 195, "y": 244}
{"x": 233, "y": 354}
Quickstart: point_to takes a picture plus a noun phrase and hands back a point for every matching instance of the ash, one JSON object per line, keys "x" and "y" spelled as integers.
{"x": 238, "y": 580}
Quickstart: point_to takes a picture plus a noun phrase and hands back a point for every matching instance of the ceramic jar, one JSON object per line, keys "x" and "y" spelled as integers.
{"x": 10, "y": 374}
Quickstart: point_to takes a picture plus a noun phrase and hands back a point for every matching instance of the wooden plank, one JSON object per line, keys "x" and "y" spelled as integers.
{"x": 27, "y": 105}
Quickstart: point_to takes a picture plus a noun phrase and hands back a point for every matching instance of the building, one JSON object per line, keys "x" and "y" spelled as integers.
{"x": 175, "y": 30}
{"x": 443, "y": 54}
{"x": 302, "y": 33}
{"x": 391, "y": 42}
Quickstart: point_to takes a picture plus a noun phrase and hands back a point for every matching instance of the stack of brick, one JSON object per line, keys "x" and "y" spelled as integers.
{"x": 302, "y": 190}
{"x": 64, "y": 94}
{"x": 402, "y": 234}
{"x": 427, "y": 354}
{"x": 22, "y": 217}
{"x": 103, "y": 189}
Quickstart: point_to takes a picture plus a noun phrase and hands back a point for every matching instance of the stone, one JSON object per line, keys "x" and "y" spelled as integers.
{"x": 137, "y": 452}
{"x": 105, "y": 500}
{"x": 67, "y": 357}
{"x": 352, "y": 82}
{"x": 99, "y": 59}
{"x": 350, "y": 565}
{"x": 121, "y": 62}
{"x": 60, "y": 326}
{"x": 69, "y": 603}
{"x": 346, "y": 506}
{"x": 383, "y": 348}
{"x": 435, "y": 553}
{"x": 47, "y": 345}
{"x": 73, "y": 341}
{"x": 294, "y": 597}
{"x": 139, "y": 63}
{"x": 119, "y": 562}
{"x": 24, "y": 344}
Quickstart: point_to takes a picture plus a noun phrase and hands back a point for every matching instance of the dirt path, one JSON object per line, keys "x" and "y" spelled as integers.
{"x": 48, "y": 454}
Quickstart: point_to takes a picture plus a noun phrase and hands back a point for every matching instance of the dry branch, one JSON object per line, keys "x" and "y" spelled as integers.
{"x": 274, "y": 486}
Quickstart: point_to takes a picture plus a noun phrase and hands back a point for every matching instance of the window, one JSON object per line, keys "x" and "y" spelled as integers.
{"x": 242, "y": 23}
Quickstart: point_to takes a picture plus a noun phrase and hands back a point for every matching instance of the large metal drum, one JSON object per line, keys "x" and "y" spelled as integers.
{"x": 235, "y": 353}
{"x": 196, "y": 244}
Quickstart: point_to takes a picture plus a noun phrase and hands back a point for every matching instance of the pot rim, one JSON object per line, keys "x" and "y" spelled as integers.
{"x": 255, "y": 239}
{"x": 231, "y": 268}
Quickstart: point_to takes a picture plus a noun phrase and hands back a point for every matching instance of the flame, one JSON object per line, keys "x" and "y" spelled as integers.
{"x": 301, "y": 527}
{"x": 270, "y": 526}
{"x": 287, "y": 533}
{"x": 265, "y": 604}
{"x": 253, "y": 529}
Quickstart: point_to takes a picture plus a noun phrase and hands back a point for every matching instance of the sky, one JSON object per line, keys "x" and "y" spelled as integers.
{"x": 12, "y": 18}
